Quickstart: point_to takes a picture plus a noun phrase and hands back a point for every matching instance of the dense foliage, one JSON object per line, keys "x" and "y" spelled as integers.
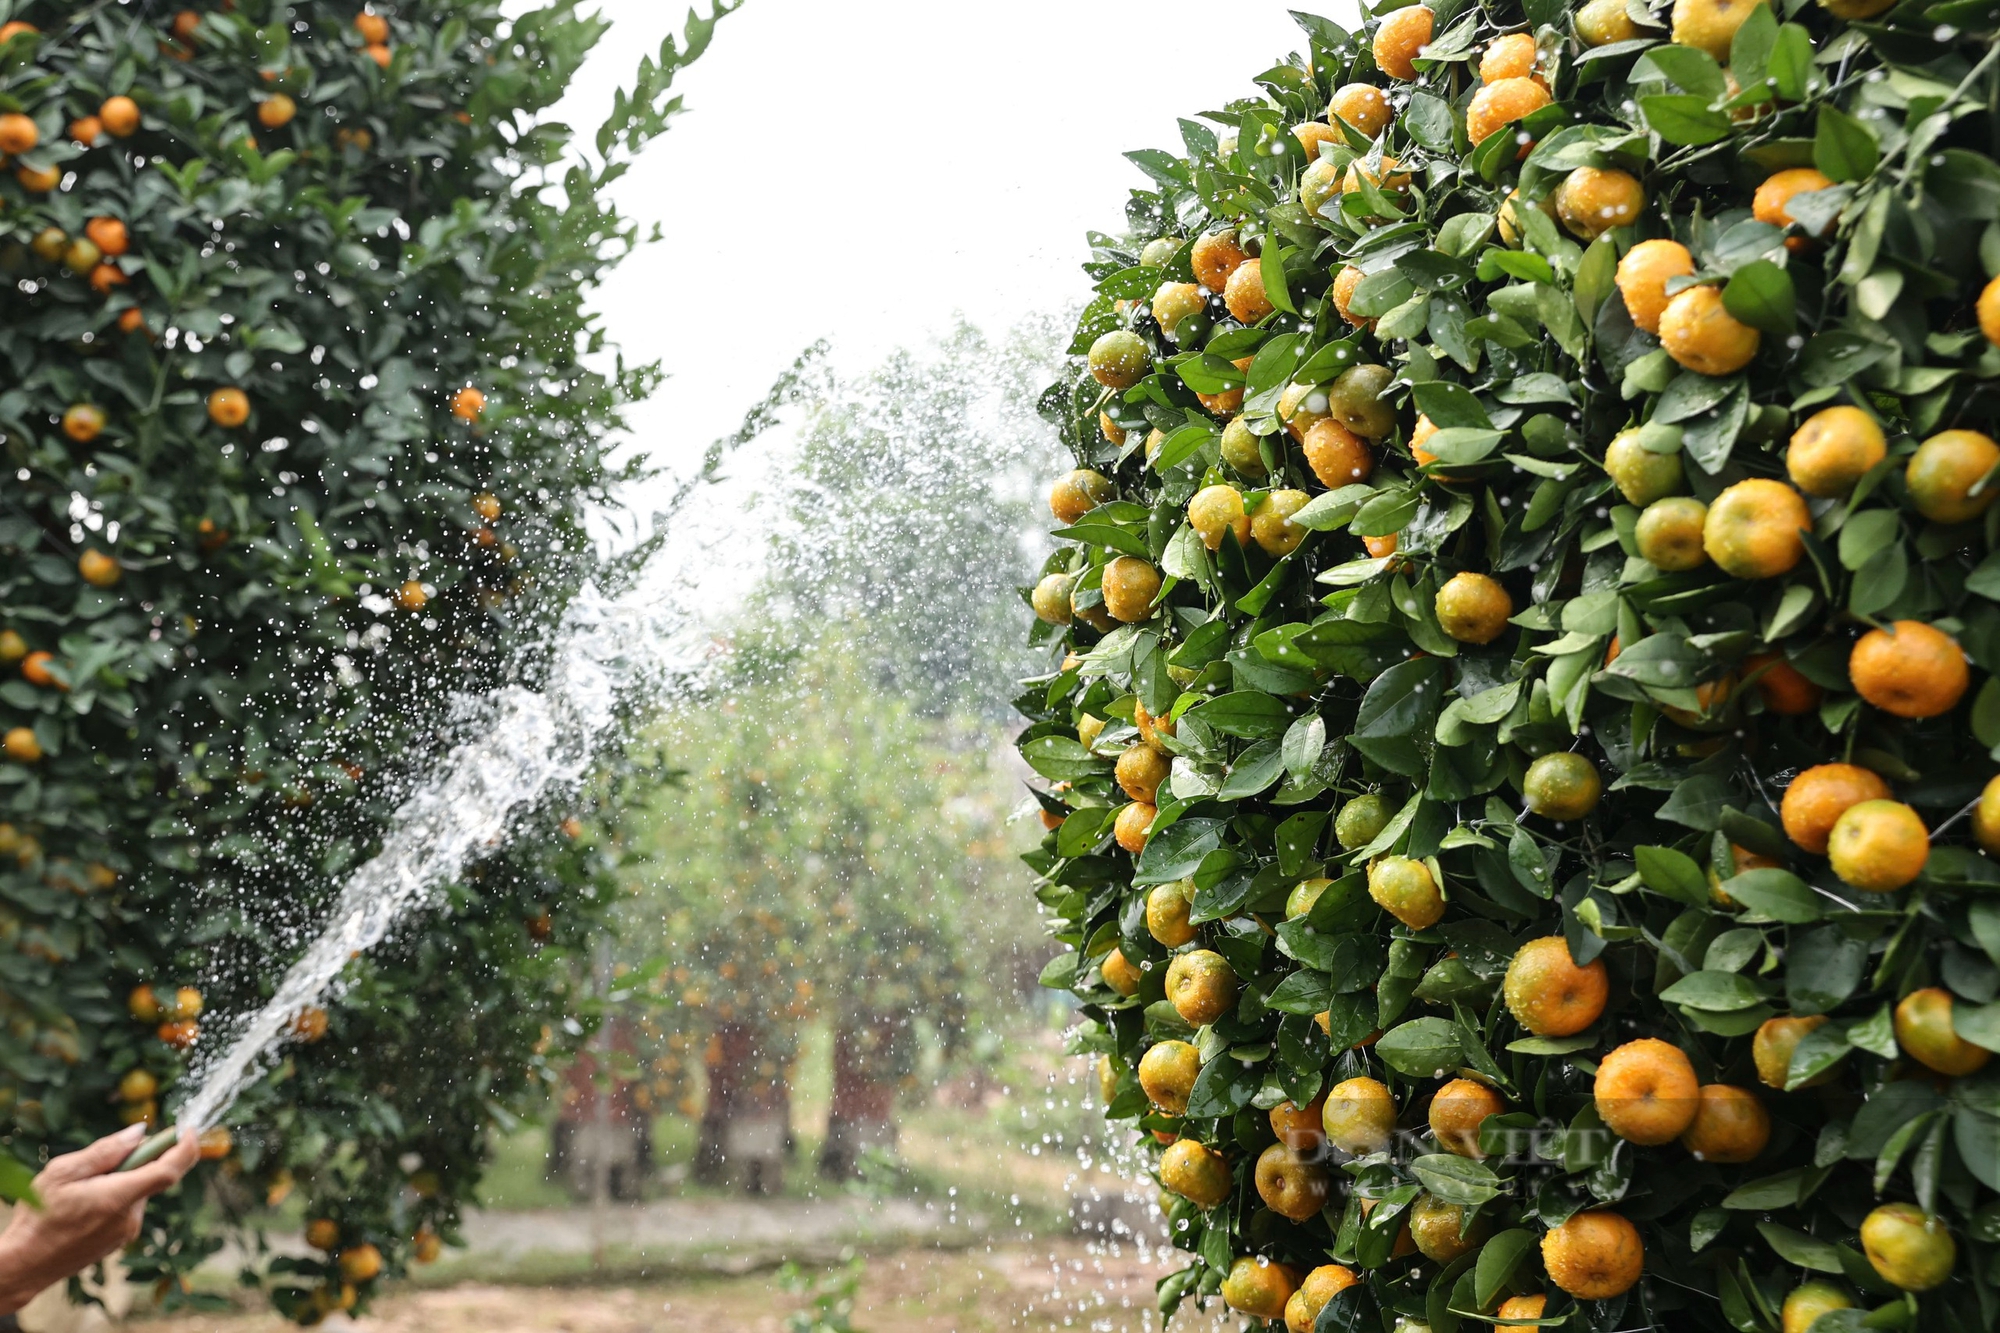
{"x": 299, "y": 439}
{"x": 1522, "y": 776}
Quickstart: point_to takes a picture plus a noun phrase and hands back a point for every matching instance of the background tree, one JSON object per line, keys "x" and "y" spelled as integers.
{"x": 300, "y": 441}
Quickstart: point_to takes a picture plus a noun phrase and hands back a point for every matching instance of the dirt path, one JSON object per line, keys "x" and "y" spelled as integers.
{"x": 1027, "y": 1288}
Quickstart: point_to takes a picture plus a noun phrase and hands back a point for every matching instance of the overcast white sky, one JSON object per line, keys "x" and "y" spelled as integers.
{"x": 860, "y": 170}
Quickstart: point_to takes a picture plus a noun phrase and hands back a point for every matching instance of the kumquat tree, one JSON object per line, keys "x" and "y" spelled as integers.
{"x": 1520, "y": 751}
{"x": 298, "y": 439}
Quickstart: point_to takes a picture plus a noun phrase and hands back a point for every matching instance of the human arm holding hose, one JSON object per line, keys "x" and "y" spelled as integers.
{"x": 89, "y": 1210}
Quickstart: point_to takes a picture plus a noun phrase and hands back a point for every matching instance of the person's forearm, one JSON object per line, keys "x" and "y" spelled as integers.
{"x": 17, "y": 1285}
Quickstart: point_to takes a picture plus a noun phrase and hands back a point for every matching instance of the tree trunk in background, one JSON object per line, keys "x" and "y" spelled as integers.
{"x": 864, "y": 1095}
{"x": 746, "y": 1125}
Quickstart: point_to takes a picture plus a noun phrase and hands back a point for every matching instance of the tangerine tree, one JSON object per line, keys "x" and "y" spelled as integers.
{"x": 1521, "y": 736}
{"x": 299, "y": 437}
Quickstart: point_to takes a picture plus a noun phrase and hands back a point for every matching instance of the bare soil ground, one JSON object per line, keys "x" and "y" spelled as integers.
{"x": 1037, "y": 1287}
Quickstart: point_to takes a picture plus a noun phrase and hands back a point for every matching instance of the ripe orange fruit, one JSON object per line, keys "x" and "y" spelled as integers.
{"x": 1646, "y": 1091}
{"x": 35, "y": 668}
{"x": 1216, "y": 511}
{"x": 83, "y": 422}
{"x": 411, "y": 596}
{"x": 1909, "y": 1249}
{"x": 374, "y": 29}
{"x": 1702, "y": 336}
{"x": 1878, "y": 845}
{"x": 1271, "y": 527}
{"x": 21, "y": 746}
{"x": 1989, "y": 311}
{"x": 1473, "y": 608}
{"x": 380, "y": 55}
{"x": 310, "y": 1024}
{"x": 1344, "y": 284}
{"x": 1359, "y": 1116}
{"x": 1150, "y": 728}
{"x": 1300, "y": 1128}
{"x": 1384, "y": 177}
{"x": 185, "y": 23}
{"x": 1402, "y": 886}
{"x": 9, "y": 31}
{"x": 1593, "y": 200}
{"x": 1319, "y": 187}
{"x": 1784, "y": 688}
{"x": 216, "y": 1143}
{"x": 1498, "y": 105}
{"x": 1833, "y": 449}
{"x": 1244, "y": 293}
{"x": 1943, "y": 471}
{"x": 106, "y": 276}
{"x": 1459, "y": 1109}
{"x": 1120, "y": 973}
{"x": 1301, "y": 407}
{"x": 361, "y": 1263}
{"x": 1380, "y": 547}
{"x": 1174, "y": 302}
{"x": 229, "y": 408}
{"x": 86, "y": 130}
{"x": 1118, "y": 359}
{"x": 1547, "y": 992}
{"x": 1312, "y": 133}
{"x": 1444, "y": 1231}
{"x": 1196, "y": 1172}
{"x": 1508, "y": 57}
{"x": 109, "y": 235}
{"x": 1924, "y": 1030}
{"x": 12, "y": 648}
{"x": 322, "y": 1233}
{"x": 1773, "y": 200}
{"x": 1730, "y": 1125}
{"x": 1521, "y": 1308}
{"x": 1562, "y": 786}
{"x": 133, "y": 320}
{"x": 38, "y": 182}
{"x": 426, "y": 1246}
{"x": 276, "y": 111}
{"x": 1133, "y": 826}
{"x": 1986, "y": 818}
{"x": 1201, "y": 986}
{"x": 1256, "y": 1286}
{"x": 1290, "y": 1184}
{"x": 1910, "y": 669}
{"x": 1077, "y": 493}
{"x": 1642, "y": 279}
{"x": 119, "y": 116}
{"x": 1808, "y": 1301}
{"x": 1669, "y": 533}
{"x": 98, "y": 569}
{"x": 1753, "y": 528}
{"x": 1130, "y": 585}
{"x": 1594, "y": 1256}
{"x": 1215, "y": 256}
{"x": 1401, "y": 38}
{"x": 1710, "y": 25}
{"x": 1321, "y": 1285}
{"x": 178, "y": 1033}
{"x": 1336, "y": 455}
{"x": 468, "y": 403}
{"x": 1141, "y": 770}
{"x": 18, "y": 134}
{"x": 1817, "y": 798}
{"x": 1362, "y": 105}
{"x": 143, "y": 1003}
{"x": 1511, "y": 209}
{"x": 1167, "y": 1072}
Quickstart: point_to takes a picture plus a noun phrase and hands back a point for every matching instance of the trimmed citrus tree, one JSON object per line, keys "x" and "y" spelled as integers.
{"x": 298, "y": 443}
{"x": 1521, "y": 771}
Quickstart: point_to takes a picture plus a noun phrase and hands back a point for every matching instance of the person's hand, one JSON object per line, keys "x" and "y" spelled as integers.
{"x": 87, "y": 1212}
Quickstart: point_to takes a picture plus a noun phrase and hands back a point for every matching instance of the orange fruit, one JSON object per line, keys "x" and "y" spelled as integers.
{"x": 1271, "y": 527}
{"x": 12, "y": 649}
{"x": 468, "y": 403}
{"x": 1133, "y": 826}
{"x": 1312, "y": 133}
{"x": 1300, "y": 1128}
{"x": 322, "y": 1233}
{"x": 1196, "y": 1172}
{"x": 1244, "y": 293}
{"x": 1301, "y": 407}
{"x": 1833, "y": 449}
{"x": 1753, "y": 529}
{"x": 374, "y": 29}
{"x": 1909, "y": 669}
{"x": 1380, "y": 547}
{"x": 1944, "y": 470}
{"x": 106, "y": 276}
{"x": 229, "y": 408}
{"x": 1336, "y": 455}
{"x": 361, "y": 1263}
{"x": 18, "y": 133}
{"x": 276, "y": 111}
{"x": 1509, "y": 219}
{"x": 1321, "y": 1285}
{"x": 1986, "y": 818}
{"x": 1473, "y": 608}
{"x": 1201, "y": 986}
{"x": 83, "y": 422}
{"x": 1290, "y": 1184}
{"x": 1216, "y": 511}
{"x": 1130, "y": 585}
{"x": 1141, "y": 770}
{"x": 1150, "y": 728}
{"x": 178, "y": 1033}
{"x": 1562, "y": 786}
{"x": 1498, "y": 105}
{"x": 1360, "y": 1116}
{"x": 1547, "y": 992}
{"x": 1344, "y": 284}
{"x": 1710, "y": 25}
{"x": 1817, "y": 798}
{"x": 309, "y": 1025}
{"x": 411, "y": 596}
{"x": 1120, "y": 973}
{"x": 1593, "y": 200}
{"x": 1702, "y": 336}
{"x": 1402, "y": 886}
{"x": 1167, "y": 1072}
{"x": 143, "y": 1003}
{"x": 1773, "y": 200}
{"x": 1805, "y": 1303}
{"x": 38, "y": 182}
{"x": 1878, "y": 845}
{"x": 1118, "y": 359}
{"x": 1642, "y": 279}
{"x": 426, "y": 1246}
{"x": 119, "y": 116}
{"x": 1924, "y": 1030}
{"x": 215, "y": 1143}
{"x": 133, "y": 321}
{"x": 138, "y": 1086}
{"x": 35, "y": 668}
{"x": 1910, "y": 1250}
{"x": 1256, "y": 1286}
{"x": 1401, "y": 38}
{"x": 1508, "y": 57}
{"x": 109, "y": 235}
{"x": 1051, "y": 599}
{"x": 21, "y": 745}
{"x": 1362, "y": 105}
{"x": 1669, "y": 533}
{"x": 1646, "y": 1091}
{"x": 1730, "y": 1125}
{"x": 1444, "y": 1231}
{"x": 9, "y": 31}
{"x": 1783, "y": 687}
{"x": 98, "y": 569}
{"x": 1077, "y": 493}
{"x": 1594, "y": 1256}
{"x": 380, "y": 55}
{"x": 1174, "y": 302}
{"x": 86, "y": 130}
{"x": 1989, "y": 311}
{"x": 1522, "y": 1308}
{"x": 1459, "y": 1109}
{"x": 1215, "y": 256}
{"x": 1319, "y": 188}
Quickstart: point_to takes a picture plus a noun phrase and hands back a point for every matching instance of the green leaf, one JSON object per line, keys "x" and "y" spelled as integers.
{"x": 1224, "y": 1086}
{"x": 1672, "y": 874}
{"x": 1422, "y": 1048}
{"x": 1790, "y": 64}
{"x": 1760, "y": 294}
{"x": 1251, "y": 714}
{"x": 1455, "y": 1179}
{"x": 1720, "y": 992}
{"x": 1499, "y": 1260}
{"x": 1178, "y": 851}
{"x": 1844, "y": 148}
{"x": 1062, "y": 759}
{"x": 1684, "y": 118}
{"x": 1799, "y": 1249}
{"x": 1777, "y": 893}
